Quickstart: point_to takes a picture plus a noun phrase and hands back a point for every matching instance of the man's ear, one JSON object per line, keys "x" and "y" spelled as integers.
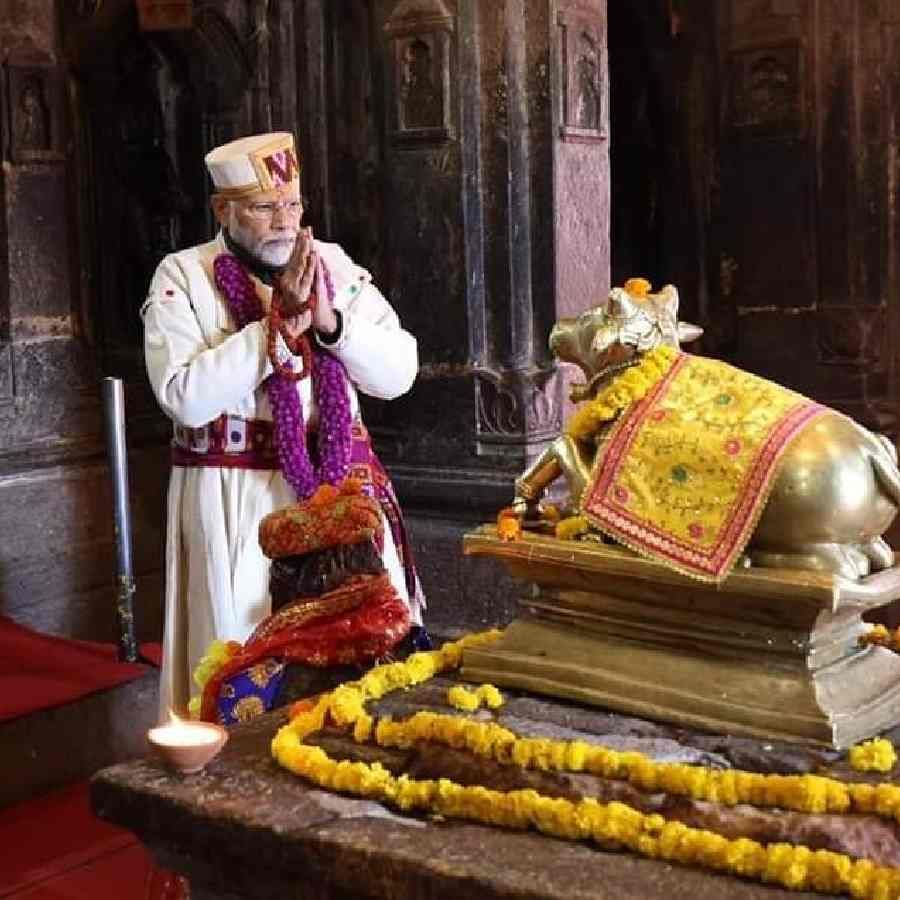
{"x": 220, "y": 209}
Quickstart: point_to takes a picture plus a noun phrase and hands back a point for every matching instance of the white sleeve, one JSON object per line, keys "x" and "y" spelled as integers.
{"x": 381, "y": 358}
{"x": 193, "y": 381}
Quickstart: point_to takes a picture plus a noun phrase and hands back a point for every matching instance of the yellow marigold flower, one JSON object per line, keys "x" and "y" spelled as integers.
{"x": 861, "y": 878}
{"x": 576, "y": 755}
{"x": 887, "y": 799}
{"x": 873, "y": 756}
{"x": 462, "y": 698}
{"x": 362, "y": 730}
{"x": 572, "y": 527}
{"x": 624, "y": 390}
{"x": 490, "y": 696}
{"x": 217, "y": 654}
{"x": 346, "y": 705}
{"x": 421, "y": 666}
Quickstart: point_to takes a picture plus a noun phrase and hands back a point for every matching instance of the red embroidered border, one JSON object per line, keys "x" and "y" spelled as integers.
{"x": 248, "y": 459}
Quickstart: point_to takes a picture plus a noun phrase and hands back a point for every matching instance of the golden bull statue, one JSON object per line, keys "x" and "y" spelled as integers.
{"x": 837, "y": 488}
{"x": 720, "y": 541}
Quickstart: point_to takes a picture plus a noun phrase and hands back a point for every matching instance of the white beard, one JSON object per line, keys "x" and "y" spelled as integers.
{"x": 273, "y": 251}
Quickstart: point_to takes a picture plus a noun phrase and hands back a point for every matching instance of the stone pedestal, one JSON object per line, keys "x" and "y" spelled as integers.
{"x": 768, "y": 653}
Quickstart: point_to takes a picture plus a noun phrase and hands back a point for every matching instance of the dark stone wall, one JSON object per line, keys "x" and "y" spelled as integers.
{"x": 103, "y": 131}
{"x": 496, "y": 165}
{"x": 754, "y": 166}
{"x": 55, "y": 556}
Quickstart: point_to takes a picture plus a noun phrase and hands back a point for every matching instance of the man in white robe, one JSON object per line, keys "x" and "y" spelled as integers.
{"x": 208, "y": 377}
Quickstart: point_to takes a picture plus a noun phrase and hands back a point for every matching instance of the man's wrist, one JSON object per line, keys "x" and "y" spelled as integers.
{"x": 332, "y": 337}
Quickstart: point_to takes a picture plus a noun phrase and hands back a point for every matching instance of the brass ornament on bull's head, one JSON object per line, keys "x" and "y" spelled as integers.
{"x": 832, "y": 494}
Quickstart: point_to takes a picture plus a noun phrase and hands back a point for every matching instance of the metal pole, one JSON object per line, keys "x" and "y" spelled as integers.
{"x": 114, "y": 408}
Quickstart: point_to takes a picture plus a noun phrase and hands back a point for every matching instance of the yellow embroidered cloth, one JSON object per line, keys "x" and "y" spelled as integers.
{"x": 688, "y": 469}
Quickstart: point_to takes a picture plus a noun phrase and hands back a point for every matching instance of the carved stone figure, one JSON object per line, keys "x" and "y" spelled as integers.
{"x": 820, "y": 488}
{"x": 32, "y": 121}
{"x": 422, "y": 101}
{"x": 587, "y": 107}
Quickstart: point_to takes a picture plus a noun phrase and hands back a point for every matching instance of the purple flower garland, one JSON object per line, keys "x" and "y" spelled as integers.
{"x": 329, "y": 390}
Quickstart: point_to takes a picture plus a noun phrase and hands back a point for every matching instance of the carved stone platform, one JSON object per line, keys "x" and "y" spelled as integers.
{"x": 767, "y": 653}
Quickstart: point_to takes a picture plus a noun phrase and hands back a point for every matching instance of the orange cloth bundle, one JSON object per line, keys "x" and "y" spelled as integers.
{"x": 330, "y": 518}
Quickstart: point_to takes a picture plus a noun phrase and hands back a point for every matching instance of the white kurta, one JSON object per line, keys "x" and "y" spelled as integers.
{"x": 200, "y": 367}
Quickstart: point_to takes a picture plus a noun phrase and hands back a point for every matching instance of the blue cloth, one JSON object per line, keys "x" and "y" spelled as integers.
{"x": 250, "y": 693}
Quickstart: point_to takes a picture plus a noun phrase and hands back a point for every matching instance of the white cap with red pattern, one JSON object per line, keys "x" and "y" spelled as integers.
{"x": 250, "y": 165}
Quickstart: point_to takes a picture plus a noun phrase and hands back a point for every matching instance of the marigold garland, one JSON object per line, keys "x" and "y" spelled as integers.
{"x": 217, "y": 654}
{"x": 627, "y": 388}
{"x": 651, "y": 835}
{"x": 467, "y": 700}
{"x": 873, "y": 756}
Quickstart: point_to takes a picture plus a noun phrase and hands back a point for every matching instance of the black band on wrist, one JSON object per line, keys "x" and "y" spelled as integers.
{"x": 334, "y": 336}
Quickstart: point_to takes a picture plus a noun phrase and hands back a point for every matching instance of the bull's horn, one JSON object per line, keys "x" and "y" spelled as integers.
{"x": 620, "y": 305}
{"x": 688, "y": 332}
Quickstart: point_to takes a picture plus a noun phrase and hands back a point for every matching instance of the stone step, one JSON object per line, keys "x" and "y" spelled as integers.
{"x": 54, "y": 747}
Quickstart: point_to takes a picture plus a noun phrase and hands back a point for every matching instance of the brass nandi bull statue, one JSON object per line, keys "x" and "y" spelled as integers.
{"x": 836, "y": 488}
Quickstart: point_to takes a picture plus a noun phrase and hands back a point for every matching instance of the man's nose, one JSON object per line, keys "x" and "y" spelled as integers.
{"x": 281, "y": 219}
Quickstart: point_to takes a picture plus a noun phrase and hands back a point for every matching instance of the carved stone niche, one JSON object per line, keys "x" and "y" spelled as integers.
{"x": 422, "y": 71}
{"x": 583, "y": 66}
{"x": 518, "y": 413}
{"x": 34, "y": 107}
{"x": 766, "y": 91}
{"x": 851, "y": 335}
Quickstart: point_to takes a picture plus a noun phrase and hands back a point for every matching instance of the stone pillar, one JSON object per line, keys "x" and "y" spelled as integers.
{"x": 465, "y": 163}
{"x": 488, "y": 221}
{"x": 544, "y": 90}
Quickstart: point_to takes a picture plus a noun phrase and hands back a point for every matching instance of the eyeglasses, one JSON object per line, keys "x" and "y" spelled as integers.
{"x": 292, "y": 208}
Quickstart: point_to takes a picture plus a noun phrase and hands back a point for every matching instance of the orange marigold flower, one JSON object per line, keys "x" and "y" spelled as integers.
{"x": 351, "y": 486}
{"x": 638, "y": 287}
{"x": 325, "y": 494}
{"x": 509, "y": 528}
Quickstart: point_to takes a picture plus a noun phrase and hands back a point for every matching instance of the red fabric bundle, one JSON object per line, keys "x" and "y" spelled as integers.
{"x": 369, "y": 630}
{"x": 332, "y": 516}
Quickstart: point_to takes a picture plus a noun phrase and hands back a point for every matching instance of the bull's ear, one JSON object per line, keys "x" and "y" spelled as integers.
{"x": 667, "y": 298}
{"x": 619, "y": 305}
{"x": 688, "y": 332}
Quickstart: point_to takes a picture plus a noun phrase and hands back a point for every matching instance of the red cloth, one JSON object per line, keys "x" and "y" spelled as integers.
{"x": 355, "y": 637}
{"x": 41, "y": 671}
{"x": 53, "y": 847}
